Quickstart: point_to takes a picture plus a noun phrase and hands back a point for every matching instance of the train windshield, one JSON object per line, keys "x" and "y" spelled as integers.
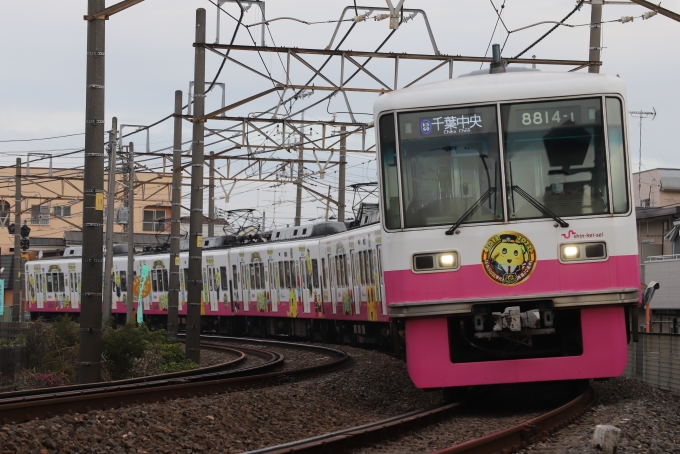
{"x": 555, "y": 152}
{"x": 449, "y": 161}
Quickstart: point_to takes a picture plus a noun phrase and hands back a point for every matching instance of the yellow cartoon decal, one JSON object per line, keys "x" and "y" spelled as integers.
{"x": 371, "y": 304}
{"x": 509, "y": 258}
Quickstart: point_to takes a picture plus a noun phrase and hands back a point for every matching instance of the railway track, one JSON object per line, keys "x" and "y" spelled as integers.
{"x": 220, "y": 379}
{"x": 505, "y": 441}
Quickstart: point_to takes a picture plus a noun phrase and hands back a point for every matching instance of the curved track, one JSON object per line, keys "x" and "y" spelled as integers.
{"x": 505, "y": 441}
{"x": 45, "y": 403}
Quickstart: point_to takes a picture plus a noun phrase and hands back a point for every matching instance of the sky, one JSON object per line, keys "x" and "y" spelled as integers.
{"x": 149, "y": 55}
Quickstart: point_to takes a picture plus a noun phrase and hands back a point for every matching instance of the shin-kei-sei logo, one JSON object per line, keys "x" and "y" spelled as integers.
{"x": 509, "y": 258}
{"x": 571, "y": 233}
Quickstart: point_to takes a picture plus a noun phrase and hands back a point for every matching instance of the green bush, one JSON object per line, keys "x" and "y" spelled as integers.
{"x": 133, "y": 351}
{"x": 52, "y": 348}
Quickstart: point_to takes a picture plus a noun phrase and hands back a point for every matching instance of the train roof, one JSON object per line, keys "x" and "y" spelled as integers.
{"x": 498, "y": 87}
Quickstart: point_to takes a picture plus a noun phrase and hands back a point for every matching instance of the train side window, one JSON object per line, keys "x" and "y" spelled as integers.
{"x": 223, "y": 278}
{"x": 253, "y": 282}
{"x": 263, "y": 276}
{"x": 61, "y": 283}
{"x": 154, "y": 282}
{"x": 315, "y": 272}
{"x": 282, "y": 274}
{"x": 123, "y": 281}
{"x": 371, "y": 264}
{"x": 165, "y": 280}
{"x": 49, "y": 282}
{"x": 234, "y": 279}
{"x": 617, "y": 155}
{"x": 293, "y": 274}
{"x": 324, "y": 278}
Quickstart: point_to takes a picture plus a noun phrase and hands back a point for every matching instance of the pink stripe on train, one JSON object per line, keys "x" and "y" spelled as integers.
{"x": 550, "y": 276}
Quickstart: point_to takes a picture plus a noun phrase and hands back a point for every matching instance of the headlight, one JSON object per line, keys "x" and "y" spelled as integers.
{"x": 447, "y": 260}
{"x": 435, "y": 261}
{"x": 570, "y": 252}
{"x": 583, "y": 251}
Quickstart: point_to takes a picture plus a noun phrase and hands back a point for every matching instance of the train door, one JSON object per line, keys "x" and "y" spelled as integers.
{"x": 213, "y": 290}
{"x": 274, "y": 285}
{"x": 39, "y": 290}
{"x": 333, "y": 283}
{"x": 73, "y": 288}
{"x": 305, "y": 282}
{"x": 381, "y": 284}
{"x": 354, "y": 281}
{"x": 245, "y": 286}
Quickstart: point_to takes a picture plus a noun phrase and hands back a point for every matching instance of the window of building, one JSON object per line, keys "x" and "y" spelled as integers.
{"x": 40, "y": 214}
{"x": 153, "y": 220}
{"x": 61, "y": 211}
{"x": 4, "y": 213}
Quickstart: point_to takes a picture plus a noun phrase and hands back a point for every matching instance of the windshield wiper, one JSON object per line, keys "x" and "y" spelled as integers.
{"x": 539, "y": 206}
{"x": 471, "y": 210}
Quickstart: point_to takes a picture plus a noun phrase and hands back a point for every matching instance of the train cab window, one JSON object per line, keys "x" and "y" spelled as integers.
{"x": 617, "y": 155}
{"x": 288, "y": 280}
{"x": 223, "y": 278}
{"x": 324, "y": 273}
{"x": 263, "y": 276}
{"x": 49, "y": 282}
{"x": 165, "y": 280}
{"x": 555, "y": 153}
{"x": 154, "y": 282}
{"x": 282, "y": 274}
{"x": 123, "y": 281}
{"x": 449, "y": 162}
{"x": 390, "y": 179}
{"x": 61, "y": 283}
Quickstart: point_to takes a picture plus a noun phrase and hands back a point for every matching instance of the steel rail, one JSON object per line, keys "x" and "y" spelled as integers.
{"x": 114, "y": 395}
{"x": 240, "y": 357}
{"x": 524, "y": 434}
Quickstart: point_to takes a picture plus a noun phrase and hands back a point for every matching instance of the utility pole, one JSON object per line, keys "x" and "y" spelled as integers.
{"x": 173, "y": 292}
{"x": 16, "y": 289}
{"x": 595, "y": 34}
{"x": 130, "y": 234}
{"x": 195, "y": 281}
{"x": 211, "y": 199}
{"x": 298, "y": 198}
{"x": 89, "y": 359}
{"x": 640, "y": 114}
{"x": 341, "y": 174}
{"x": 110, "y": 205}
{"x": 328, "y": 202}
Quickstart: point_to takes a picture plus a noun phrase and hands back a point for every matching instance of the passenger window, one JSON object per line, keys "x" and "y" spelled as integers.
{"x": 315, "y": 271}
{"x": 123, "y": 281}
{"x": 223, "y": 278}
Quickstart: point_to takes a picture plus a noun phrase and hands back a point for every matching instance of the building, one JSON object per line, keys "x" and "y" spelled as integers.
{"x": 657, "y": 205}
{"x": 52, "y": 206}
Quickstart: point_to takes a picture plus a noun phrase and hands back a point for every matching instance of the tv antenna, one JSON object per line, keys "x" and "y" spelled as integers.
{"x": 641, "y": 114}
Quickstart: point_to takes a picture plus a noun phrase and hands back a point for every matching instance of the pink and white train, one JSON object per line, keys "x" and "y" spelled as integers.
{"x": 505, "y": 250}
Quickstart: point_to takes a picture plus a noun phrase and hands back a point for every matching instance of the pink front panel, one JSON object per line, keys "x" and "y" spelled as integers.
{"x": 550, "y": 277}
{"x": 605, "y": 354}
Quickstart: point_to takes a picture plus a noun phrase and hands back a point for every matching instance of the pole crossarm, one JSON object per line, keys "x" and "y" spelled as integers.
{"x": 111, "y": 10}
{"x": 215, "y": 113}
{"x": 658, "y": 9}
{"x": 403, "y": 56}
{"x": 323, "y": 196}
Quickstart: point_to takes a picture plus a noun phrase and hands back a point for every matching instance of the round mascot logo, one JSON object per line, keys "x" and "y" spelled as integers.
{"x": 509, "y": 258}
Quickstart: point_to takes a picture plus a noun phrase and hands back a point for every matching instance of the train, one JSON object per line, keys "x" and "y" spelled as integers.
{"x": 503, "y": 250}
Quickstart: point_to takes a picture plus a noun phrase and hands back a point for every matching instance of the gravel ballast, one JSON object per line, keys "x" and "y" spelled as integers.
{"x": 376, "y": 387}
{"x": 649, "y": 420}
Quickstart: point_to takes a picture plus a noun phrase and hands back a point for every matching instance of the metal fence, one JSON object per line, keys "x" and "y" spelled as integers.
{"x": 655, "y": 359}
{"x": 10, "y": 330}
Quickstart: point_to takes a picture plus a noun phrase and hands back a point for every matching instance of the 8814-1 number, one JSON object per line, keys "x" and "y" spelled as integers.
{"x": 550, "y": 117}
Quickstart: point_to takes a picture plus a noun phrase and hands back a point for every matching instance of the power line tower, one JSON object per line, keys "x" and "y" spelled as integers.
{"x": 641, "y": 115}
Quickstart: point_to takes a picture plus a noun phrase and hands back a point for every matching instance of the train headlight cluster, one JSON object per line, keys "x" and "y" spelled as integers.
{"x": 583, "y": 251}
{"x": 435, "y": 261}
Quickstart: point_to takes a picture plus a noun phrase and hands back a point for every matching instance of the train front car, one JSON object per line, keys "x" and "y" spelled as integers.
{"x": 509, "y": 236}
